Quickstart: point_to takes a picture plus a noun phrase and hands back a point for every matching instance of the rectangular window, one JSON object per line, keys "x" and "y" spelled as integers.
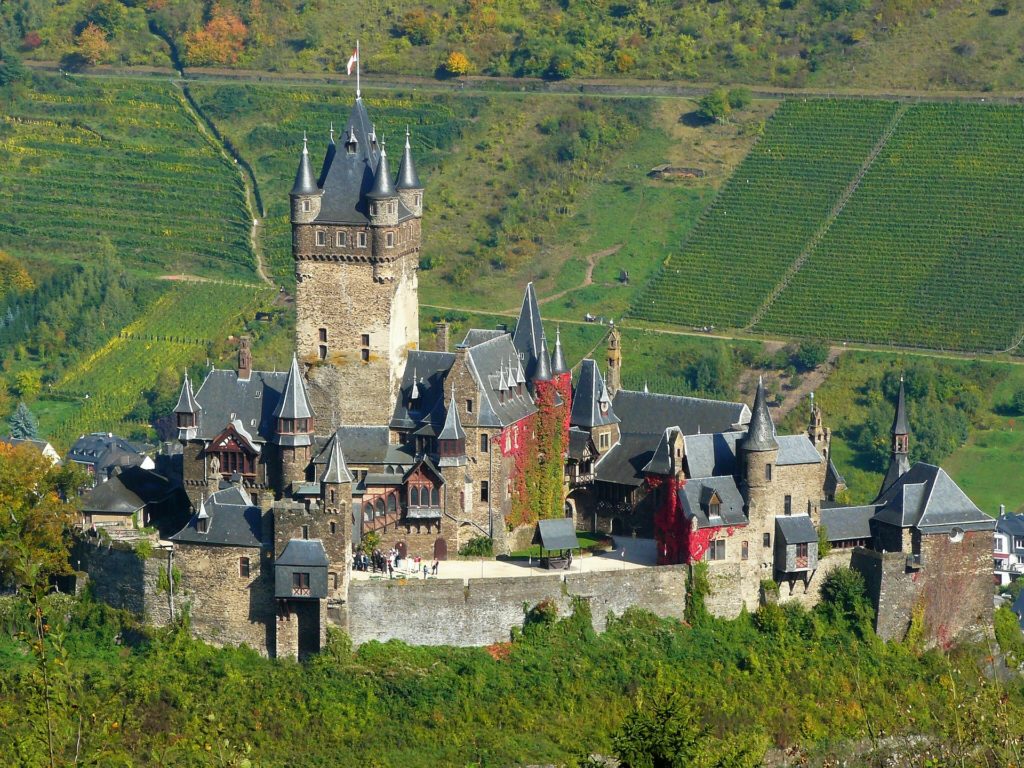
{"x": 201, "y": 525}
{"x": 768, "y": 472}
{"x": 342, "y": 239}
{"x": 716, "y": 550}
{"x": 485, "y": 490}
{"x": 767, "y": 539}
{"x": 323, "y": 335}
{"x": 714, "y": 509}
{"x": 300, "y": 581}
{"x": 744, "y": 551}
{"x": 306, "y": 205}
{"x": 801, "y": 550}
{"x": 389, "y": 239}
{"x": 1018, "y": 542}
{"x": 305, "y": 531}
{"x": 243, "y": 567}
{"x": 469, "y": 406}
{"x": 323, "y": 352}
{"x": 605, "y": 440}
{"x": 362, "y": 239}
{"x": 364, "y": 355}
{"x": 321, "y": 238}
{"x": 365, "y": 339}
{"x": 788, "y": 504}
{"x": 483, "y": 442}
{"x": 334, "y": 525}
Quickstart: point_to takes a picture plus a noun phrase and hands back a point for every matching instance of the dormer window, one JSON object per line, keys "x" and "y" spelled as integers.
{"x": 714, "y": 508}
{"x": 202, "y": 524}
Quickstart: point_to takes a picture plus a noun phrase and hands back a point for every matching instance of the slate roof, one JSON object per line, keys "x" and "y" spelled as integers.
{"x": 452, "y": 425}
{"x": 382, "y": 184}
{"x": 294, "y": 402}
{"x": 40, "y": 445}
{"x": 578, "y": 441}
{"x": 332, "y": 149}
{"x": 112, "y": 498}
{"x": 624, "y": 463}
{"x": 430, "y": 369}
{"x": 695, "y": 495}
{"x": 407, "y": 176}
{"x": 843, "y": 523}
{"x": 586, "y": 399}
{"x": 303, "y": 552}
{"x": 253, "y": 402}
{"x": 476, "y": 336}
{"x": 661, "y": 460}
{"x": 795, "y": 529}
{"x": 370, "y": 445}
{"x": 557, "y": 533}
{"x": 104, "y": 450}
{"x": 186, "y": 401}
{"x": 349, "y": 176}
{"x": 710, "y": 455}
{"x": 529, "y": 331}
{"x": 305, "y": 181}
{"x": 1011, "y": 524}
{"x": 651, "y": 413}
{"x": 761, "y": 430}
{"x": 233, "y": 521}
{"x": 900, "y": 425}
{"x": 926, "y": 498}
{"x": 485, "y": 362}
{"x": 797, "y": 449}
{"x": 558, "y": 364}
{"x": 335, "y": 470}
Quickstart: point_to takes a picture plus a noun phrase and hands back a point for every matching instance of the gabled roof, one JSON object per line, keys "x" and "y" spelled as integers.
{"x": 795, "y": 529}
{"x": 452, "y": 425}
{"x": 303, "y": 553}
{"x": 104, "y": 450}
{"x": 186, "y": 400}
{"x": 797, "y": 449}
{"x": 476, "y": 336}
{"x": 485, "y": 362}
{"x": 305, "y": 181}
{"x": 650, "y": 413}
{"x": 294, "y": 402}
{"x": 926, "y": 498}
{"x": 586, "y": 401}
{"x": 335, "y": 470}
{"x": 223, "y": 398}
{"x": 695, "y": 495}
{"x": 661, "y": 461}
{"x": 581, "y": 445}
{"x": 1011, "y": 524}
{"x": 430, "y": 370}
{"x": 233, "y": 521}
{"x": 844, "y": 523}
{"x": 711, "y": 455}
{"x": 529, "y": 331}
{"x": 112, "y": 498}
{"x": 557, "y": 533}
{"x": 407, "y": 176}
{"x": 624, "y": 463}
{"x": 761, "y": 431}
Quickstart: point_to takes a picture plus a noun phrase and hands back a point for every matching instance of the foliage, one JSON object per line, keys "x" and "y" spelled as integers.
{"x": 715, "y": 105}
{"x": 824, "y": 545}
{"x": 11, "y": 68}
{"x": 14, "y": 278}
{"x": 697, "y": 590}
{"x": 844, "y": 598}
{"x": 1009, "y": 635}
{"x": 537, "y": 450}
{"x": 220, "y": 41}
{"x": 740, "y": 98}
{"x": 36, "y": 520}
{"x": 543, "y": 613}
{"x": 92, "y": 44}
{"x": 23, "y": 424}
{"x": 478, "y": 546}
{"x": 369, "y": 543}
{"x": 456, "y": 64}
{"x": 809, "y": 355}
{"x": 1018, "y": 401}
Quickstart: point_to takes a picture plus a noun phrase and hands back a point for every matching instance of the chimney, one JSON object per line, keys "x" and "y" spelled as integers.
{"x": 441, "y": 329}
{"x": 1002, "y": 510}
{"x": 244, "y": 358}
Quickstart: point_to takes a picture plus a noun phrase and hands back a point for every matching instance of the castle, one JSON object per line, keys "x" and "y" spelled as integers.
{"x": 367, "y": 433}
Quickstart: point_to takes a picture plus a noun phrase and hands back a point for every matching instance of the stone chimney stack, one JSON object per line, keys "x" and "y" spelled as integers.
{"x": 244, "y": 358}
{"x": 441, "y": 329}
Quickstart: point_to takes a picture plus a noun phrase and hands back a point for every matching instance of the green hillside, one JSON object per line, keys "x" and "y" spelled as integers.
{"x": 924, "y": 252}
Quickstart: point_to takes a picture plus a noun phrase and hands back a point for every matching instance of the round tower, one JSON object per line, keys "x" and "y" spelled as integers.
{"x": 305, "y": 194}
{"x": 410, "y": 191}
{"x": 759, "y": 451}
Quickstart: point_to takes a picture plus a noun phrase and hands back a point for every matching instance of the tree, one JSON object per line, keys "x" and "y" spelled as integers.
{"x": 92, "y": 44}
{"x": 809, "y": 355}
{"x": 23, "y": 423}
{"x": 27, "y": 383}
{"x": 456, "y": 64}
{"x": 1018, "y": 401}
{"x": 11, "y": 68}
{"x": 13, "y": 276}
{"x": 740, "y": 98}
{"x": 221, "y": 41}
{"x": 715, "y": 106}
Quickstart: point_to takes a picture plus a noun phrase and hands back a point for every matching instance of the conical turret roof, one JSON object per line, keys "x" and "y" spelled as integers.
{"x": 332, "y": 150}
{"x": 294, "y": 402}
{"x": 452, "y": 429}
{"x": 186, "y": 400}
{"x": 336, "y": 470}
{"x": 558, "y": 365}
{"x": 407, "y": 177}
{"x": 543, "y": 370}
{"x": 761, "y": 430}
{"x": 305, "y": 181}
{"x": 382, "y": 184}
{"x": 899, "y": 422}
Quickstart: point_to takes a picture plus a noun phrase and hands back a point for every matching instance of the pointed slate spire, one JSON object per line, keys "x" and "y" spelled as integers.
{"x": 186, "y": 400}
{"x": 332, "y": 150}
{"x": 900, "y": 425}
{"x": 294, "y": 402}
{"x": 336, "y": 471}
{"x": 452, "y": 429}
{"x": 558, "y": 366}
{"x": 407, "y": 177}
{"x": 305, "y": 181}
{"x": 526, "y": 338}
{"x": 382, "y": 185}
{"x": 761, "y": 430}
{"x": 543, "y": 369}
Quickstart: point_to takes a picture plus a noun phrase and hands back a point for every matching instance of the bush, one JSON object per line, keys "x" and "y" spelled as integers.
{"x": 1018, "y": 401}
{"x": 809, "y": 355}
{"x": 844, "y": 597}
{"x": 481, "y": 546}
{"x": 1009, "y": 636}
{"x": 715, "y": 106}
{"x": 543, "y": 613}
{"x": 456, "y": 65}
{"x": 740, "y": 98}
{"x": 11, "y": 68}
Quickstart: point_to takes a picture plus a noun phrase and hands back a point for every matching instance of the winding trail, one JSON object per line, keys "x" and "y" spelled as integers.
{"x": 212, "y": 135}
{"x": 588, "y": 278}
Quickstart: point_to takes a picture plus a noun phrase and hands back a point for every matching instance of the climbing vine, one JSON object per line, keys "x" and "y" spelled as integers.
{"x": 537, "y": 450}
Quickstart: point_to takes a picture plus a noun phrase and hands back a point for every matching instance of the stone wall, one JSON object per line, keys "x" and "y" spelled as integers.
{"x": 483, "y": 611}
{"x": 117, "y": 575}
{"x": 809, "y": 594}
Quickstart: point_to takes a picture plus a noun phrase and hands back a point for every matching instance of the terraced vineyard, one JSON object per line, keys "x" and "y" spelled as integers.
{"x": 88, "y": 164}
{"x": 169, "y": 334}
{"x": 930, "y": 251}
{"x": 927, "y": 251}
{"x": 758, "y": 224}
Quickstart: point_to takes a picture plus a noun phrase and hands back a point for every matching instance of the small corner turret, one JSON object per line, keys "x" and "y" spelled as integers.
{"x": 899, "y": 456}
{"x": 614, "y": 360}
{"x": 451, "y": 442}
{"x": 383, "y": 197}
{"x": 187, "y": 412}
{"x": 305, "y": 194}
{"x": 410, "y": 191}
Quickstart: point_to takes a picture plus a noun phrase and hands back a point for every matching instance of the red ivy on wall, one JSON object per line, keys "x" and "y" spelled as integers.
{"x": 536, "y": 445}
{"x": 677, "y": 541}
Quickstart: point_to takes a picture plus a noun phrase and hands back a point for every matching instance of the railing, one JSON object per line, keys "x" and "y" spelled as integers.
{"x": 301, "y": 592}
{"x": 580, "y": 479}
{"x": 801, "y": 561}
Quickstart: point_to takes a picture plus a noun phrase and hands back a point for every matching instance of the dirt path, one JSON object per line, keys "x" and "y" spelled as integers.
{"x": 197, "y": 279}
{"x": 588, "y": 277}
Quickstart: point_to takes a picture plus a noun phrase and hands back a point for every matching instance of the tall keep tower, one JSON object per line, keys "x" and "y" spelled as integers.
{"x": 356, "y": 242}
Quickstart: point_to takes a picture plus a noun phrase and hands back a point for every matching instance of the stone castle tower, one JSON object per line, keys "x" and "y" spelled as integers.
{"x": 356, "y": 242}
{"x": 614, "y": 381}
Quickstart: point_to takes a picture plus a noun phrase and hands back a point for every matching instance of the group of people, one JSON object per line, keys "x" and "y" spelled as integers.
{"x": 391, "y": 561}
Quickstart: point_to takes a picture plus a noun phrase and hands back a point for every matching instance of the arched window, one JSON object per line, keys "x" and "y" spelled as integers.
{"x": 379, "y": 506}
{"x": 435, "y": 497}
{"x": 392, "y": 502}
{"x": 414, "y": 498}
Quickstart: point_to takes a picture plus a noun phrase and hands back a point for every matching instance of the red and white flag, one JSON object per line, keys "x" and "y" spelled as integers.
{"x": 353, "y": 59}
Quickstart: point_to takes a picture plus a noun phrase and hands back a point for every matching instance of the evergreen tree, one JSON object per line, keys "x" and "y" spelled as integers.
{"x": 23, "y": 423}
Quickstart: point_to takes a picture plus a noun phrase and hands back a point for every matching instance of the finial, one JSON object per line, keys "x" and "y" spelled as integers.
{"x": 407, "y": 137}
{"x": 646, "y": 391}
{"x": 305, "y": 147}
{"x": 332, "y": 130}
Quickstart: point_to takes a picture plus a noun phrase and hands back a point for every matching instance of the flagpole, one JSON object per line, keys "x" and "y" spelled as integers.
{"x": 358, "y": 63}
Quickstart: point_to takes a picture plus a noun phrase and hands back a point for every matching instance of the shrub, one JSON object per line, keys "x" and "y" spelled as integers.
{"x": 543, "y": 613}
{"x": 1008, "y": 635}
{"x": 457, "y": 64}
{"x": 740, "y": 98}
{"x": 480, "y": 546}
{"x": 809, "y": 355}
{"x": 11, "y": 68}
{"x": 715, "y": 106}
